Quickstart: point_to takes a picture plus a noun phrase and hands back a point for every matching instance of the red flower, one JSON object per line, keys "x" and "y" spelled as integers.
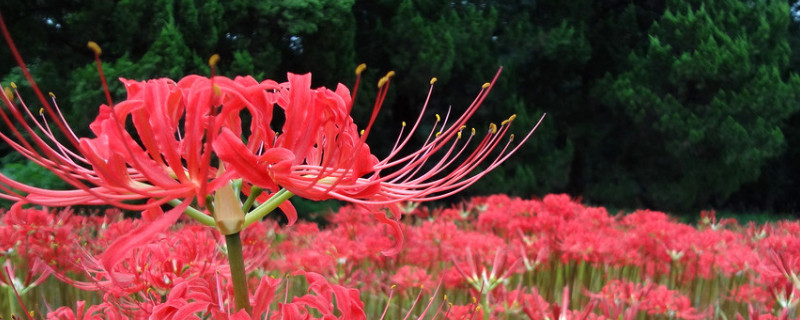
{"x": 348, "y": 300}
{"x": 170, "y": 158}
{"x": 412, "y": 277}
{"x": 321, "y": 154}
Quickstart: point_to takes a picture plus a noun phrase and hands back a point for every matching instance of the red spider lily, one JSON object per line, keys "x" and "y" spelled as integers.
{"x": 95, "y": 312}
{"x": 322, "y": 155}
{"x": 169, "y": 160}
{"x": 319, "y": 142}
{"x": 623, "y": 300}
{"x": 174, "y": 122}
{"x": 483, "y": 280}
{"x": 34, "y": 275}
{"x": 465, "y": 312}
{"x": 168, "y": 156}
{"x": 411, "y": 277}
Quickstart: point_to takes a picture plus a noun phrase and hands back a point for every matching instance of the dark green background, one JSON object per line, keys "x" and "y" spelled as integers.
{"x": 671, "y": 105}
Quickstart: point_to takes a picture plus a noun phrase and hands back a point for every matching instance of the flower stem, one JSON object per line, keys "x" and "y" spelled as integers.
{"x": 195, "y": 214}
{"x": 267, "y": 207}
{"x": 238, "y": 276}
{"x": 12, "y": 307}
{"x": 254, "y": 193}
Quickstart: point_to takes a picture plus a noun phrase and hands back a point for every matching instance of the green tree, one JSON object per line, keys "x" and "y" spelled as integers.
{"x": 701, "y": 108}
{"x": 544, "y": 49}
{"x": 420, "y": 40}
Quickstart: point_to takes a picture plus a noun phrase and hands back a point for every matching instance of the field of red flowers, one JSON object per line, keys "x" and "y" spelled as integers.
{"x": 491, "y": 257}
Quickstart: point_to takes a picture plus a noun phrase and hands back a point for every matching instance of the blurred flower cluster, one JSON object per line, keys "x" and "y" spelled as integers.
{"x": 487, "y": 258}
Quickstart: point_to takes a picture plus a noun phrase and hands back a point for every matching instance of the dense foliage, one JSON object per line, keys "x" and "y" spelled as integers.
{"x": 668, "y": 104}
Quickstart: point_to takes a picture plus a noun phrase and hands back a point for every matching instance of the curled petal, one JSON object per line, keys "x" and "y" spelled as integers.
{"x": 398, "y": 233}
{"x": 290, "y": 212}
{"x": 229, "y": 148}
{"x": 138, "y": 237}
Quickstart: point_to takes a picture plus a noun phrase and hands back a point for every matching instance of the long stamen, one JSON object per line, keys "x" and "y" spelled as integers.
{"x": 61, "y": 115}
{"x": 426, "y": 146}
{"x": 61, "y": 167}
{"x": 463, "y": 184}
{"x": 97, "y": 51}
{"x": 29, "y": 78}
{"x": 210, "y": 132}
{"x": 440, "y": 165}
{"x": 395, "y": 150}
{"x": 478, "y": 155}
{"x": 417, "y": 189}
{"x": 383, "y": 89}
{"x": 449, "y": 132}
{"x": 360, "y": 69}
{"x": 65, "y": 153}
{"x": 383, "y": 85}
{"x": 28, "y": 149}
{"x": 143, "y": 169}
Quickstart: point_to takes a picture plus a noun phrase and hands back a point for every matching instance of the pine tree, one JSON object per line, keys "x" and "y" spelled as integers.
{"x": 700, "y": 109}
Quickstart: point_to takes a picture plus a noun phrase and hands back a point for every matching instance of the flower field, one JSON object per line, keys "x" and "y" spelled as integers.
{"x": 490, "y": 257}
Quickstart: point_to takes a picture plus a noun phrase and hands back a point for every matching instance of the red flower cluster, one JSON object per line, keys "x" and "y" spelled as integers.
{"x": 535, "y": 259}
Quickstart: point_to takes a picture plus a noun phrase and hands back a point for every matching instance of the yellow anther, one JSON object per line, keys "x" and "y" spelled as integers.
{"x": 404, "y": 123}
{"x": 473, "y": 131}
{"x": 217, "y": 90}
{"x": 492, "y": 127}
{"x": 393, "y": 286}
{"x": 486, "y": 85}
{"x": 41, "y": 111}
{"x": 360, "y": 68}
{"x": 474, "y": 300}
{"x": 382, "y": 81}
{"x": 9, "y": 93}
{"x": 433, "y": 80}
{"x": 459, "y": 135}
{"x": 52, "y": 95}
{"x": 362, "y": 132}
{"x": 14, "y": 85}
{"x": 213, "y": 60}
{"x": 438, "y": 118}
{"x": 445, "y": 297}
{"x": 94, "y": 47}
{"x": 511, "y": 137}
{"x": 462, "y": 127}
{"x": 438, "y": 134}
{"x": 506, "y": 121}
{"x": 385, "y": 79}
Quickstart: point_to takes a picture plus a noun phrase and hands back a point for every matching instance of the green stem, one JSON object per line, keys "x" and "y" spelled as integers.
{"x": 195, "y": 214}
{"x": 238, "y": 276}
{"x": 254, "y": 193}
{"x": 267, "y": 207}
{"x": 486, "y": 306}
{"x": 12, "y": 307}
